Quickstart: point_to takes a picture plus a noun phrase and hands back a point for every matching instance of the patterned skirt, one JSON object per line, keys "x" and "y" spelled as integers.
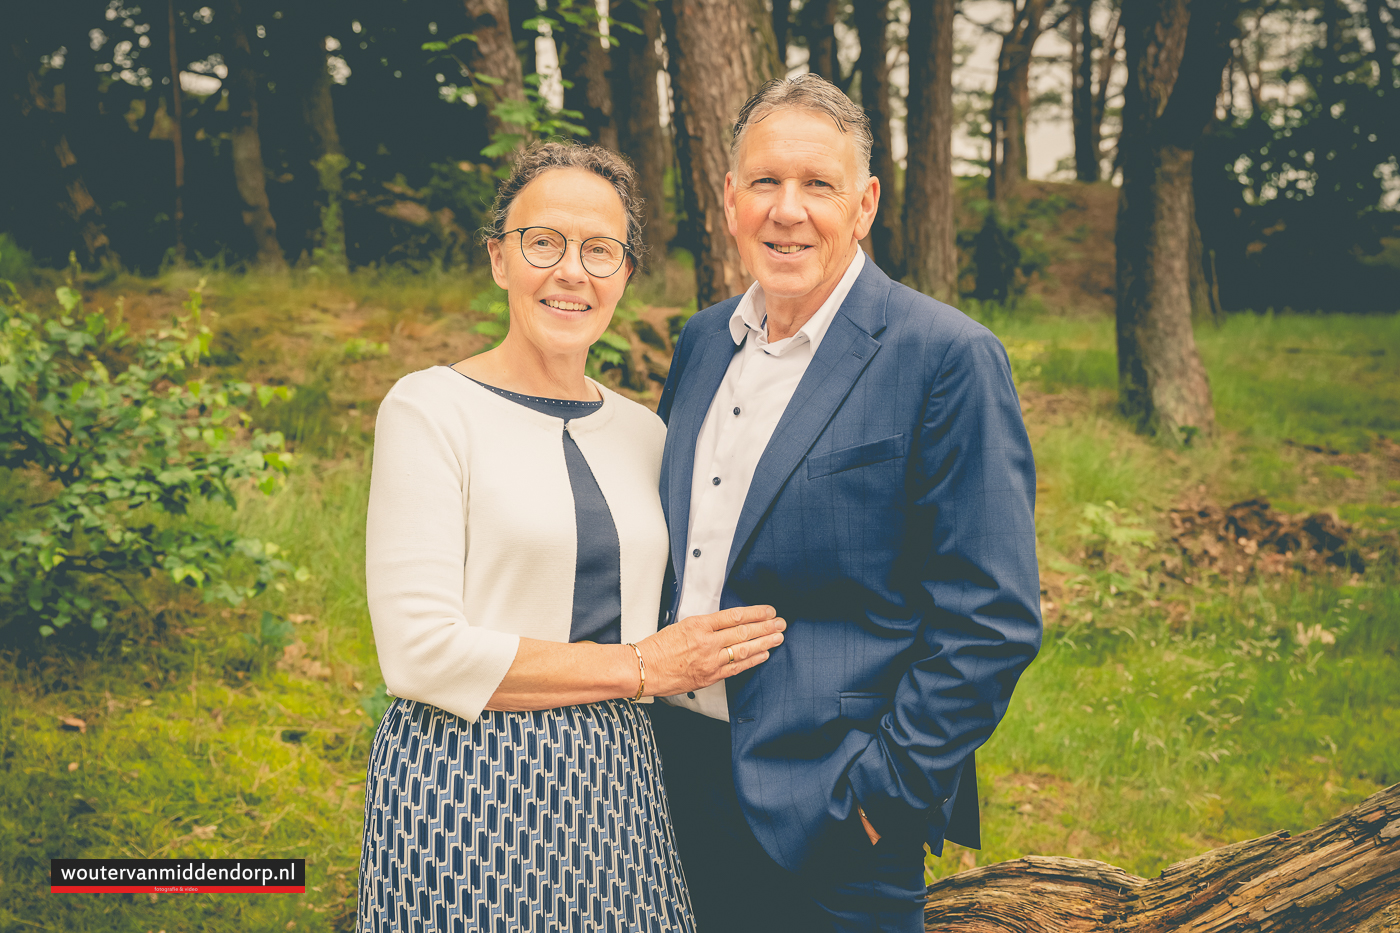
{"x": 548, "y": 820}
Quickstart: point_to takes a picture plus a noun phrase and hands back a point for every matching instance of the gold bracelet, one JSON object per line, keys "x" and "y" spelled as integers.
{"x": 641, "y": 674}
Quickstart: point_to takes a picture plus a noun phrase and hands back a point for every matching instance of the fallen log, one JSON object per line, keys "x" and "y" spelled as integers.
{"x": 1341, "y": 876}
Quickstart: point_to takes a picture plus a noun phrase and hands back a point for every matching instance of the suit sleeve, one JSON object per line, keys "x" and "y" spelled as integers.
{"x": 969, "y": 569}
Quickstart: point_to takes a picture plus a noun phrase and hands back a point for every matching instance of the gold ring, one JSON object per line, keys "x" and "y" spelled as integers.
{"x": 730, "y": 649}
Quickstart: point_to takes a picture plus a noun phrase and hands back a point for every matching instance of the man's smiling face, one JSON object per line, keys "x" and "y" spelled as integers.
{"x": 797, "y": 205}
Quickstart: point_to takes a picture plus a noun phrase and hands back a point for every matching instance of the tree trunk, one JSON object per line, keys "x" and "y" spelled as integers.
{"x": 56, "y": 115}
{"x": 1086, "y": 141}
{"x": 637, "y": 115}
{"x": 586, "y": 65}
{"x": 1342, "y": 877}
{"x": 820, "y": 19}
{"x": 782, "y": 13}
{"x": 248, "y": 170}
{"x": 317, "y": 108}
{"x": 1107, "y": 57}
{"x": 930, "y": 253}
{"x": 720, "y": 51}
{"x": 1176, "y": 55}
{"x": 493, "y": 54}
{"x": 305, "y": 77}
{"x": 79, "y": 203}
{"x": 178, "y": 135}
{"x": 872, "y": 22}
{"x": 1011, "y": 100}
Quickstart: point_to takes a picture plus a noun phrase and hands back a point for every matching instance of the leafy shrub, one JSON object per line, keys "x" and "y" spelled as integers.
{"x": 358, "y": 348}
{"x": 120, "y": 437}
{"x": 16, "y": 264}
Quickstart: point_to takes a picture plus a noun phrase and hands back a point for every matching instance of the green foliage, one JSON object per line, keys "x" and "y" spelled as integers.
{"x": 465, "y": 189}
{"x": 1272, "y": 709}
{"x": 534, "y": 116}
{"x": 1112, "y": 571}
{"x": 1321, "y": 157}
{"x": 329, "y": 254}
{"x": 122, "y": 437}
{"x": 16, "y": 264}
{"x": 1010, "y": 247}
{"x": 358, "y": 348}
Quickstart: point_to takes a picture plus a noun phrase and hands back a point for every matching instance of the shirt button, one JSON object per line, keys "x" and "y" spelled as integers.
{"x": 715, "y": 481}
{"x": 695, "y": 553}
{"x": 736, "y": 409}
{"x": 691, "y": 694}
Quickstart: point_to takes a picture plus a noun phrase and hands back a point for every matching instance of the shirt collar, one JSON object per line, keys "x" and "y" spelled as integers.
{"x": 750, "y": 315}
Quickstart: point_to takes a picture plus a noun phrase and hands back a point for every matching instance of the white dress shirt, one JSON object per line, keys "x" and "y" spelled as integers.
{"x": 746, "y": 409}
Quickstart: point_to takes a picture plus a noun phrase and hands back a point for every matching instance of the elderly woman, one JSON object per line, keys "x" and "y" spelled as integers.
{"x": 516, "y": 549}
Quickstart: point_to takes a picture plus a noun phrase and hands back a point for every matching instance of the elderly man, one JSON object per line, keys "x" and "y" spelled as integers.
{"x": 851, "y": 452}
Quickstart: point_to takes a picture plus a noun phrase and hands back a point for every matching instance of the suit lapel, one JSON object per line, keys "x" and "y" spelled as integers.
{"x": 845, "y": 351}
{"x": 694, "y": 394}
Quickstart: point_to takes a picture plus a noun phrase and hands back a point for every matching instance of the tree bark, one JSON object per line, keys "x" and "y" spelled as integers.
{"x": 1341, "y": 876}
{"x": 493, "y": 54}
{"x": 719, "y": 52}
{"x": 178, "y": 135}
{"x": 1011, "y": 100}
{"x": 820, "y": 19}
{"x": 1107, "y": 57}
{"x": 637, "y": 115}
{"x": 586, "y": 65}
{"x": 248, "y": 171}
{"x": 1176, "y": 52}
{"x": 782, "y": 13}
{"x": 1086, "y": 141}
{"x": 872, "y": 22}
{"x": 930, "y": 254}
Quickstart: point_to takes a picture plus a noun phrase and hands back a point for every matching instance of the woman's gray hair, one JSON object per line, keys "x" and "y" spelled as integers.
{"x": 811, "y": 93}
{"x": 540, "y": 157}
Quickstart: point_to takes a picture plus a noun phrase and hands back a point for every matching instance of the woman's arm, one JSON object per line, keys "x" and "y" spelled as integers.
{"x": 428, "y": 649}
{"x": 686, "y": 656}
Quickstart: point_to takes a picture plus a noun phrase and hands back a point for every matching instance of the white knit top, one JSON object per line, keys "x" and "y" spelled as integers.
{"x": 471, "y": 540}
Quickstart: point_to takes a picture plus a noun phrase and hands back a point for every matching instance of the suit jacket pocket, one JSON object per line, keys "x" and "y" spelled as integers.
{"x": 862, "y": 706}
{"x": 849, "y": 458}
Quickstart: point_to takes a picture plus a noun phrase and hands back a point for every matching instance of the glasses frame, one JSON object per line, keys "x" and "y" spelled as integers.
{"x": 626, "y": 250}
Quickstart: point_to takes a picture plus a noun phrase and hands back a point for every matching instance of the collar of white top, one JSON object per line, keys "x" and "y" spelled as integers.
{"x": 751, "y": 316}
{"x": 584, "y": 423}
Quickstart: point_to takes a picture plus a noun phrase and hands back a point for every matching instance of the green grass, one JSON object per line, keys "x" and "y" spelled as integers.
{"x": 1176, "y": 720}
{"x": 1160, "y": 744}
{"x": 199, "y": 743}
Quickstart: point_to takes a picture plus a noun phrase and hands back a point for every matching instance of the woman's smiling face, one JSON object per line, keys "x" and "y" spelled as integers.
{"x": 561, "y": 310}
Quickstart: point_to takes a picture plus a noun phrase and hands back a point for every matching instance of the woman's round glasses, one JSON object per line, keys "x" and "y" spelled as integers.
{"x": 542, "y": 248}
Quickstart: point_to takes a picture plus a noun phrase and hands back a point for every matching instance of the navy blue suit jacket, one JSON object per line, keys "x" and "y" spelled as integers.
{"x": 891, "y": 523}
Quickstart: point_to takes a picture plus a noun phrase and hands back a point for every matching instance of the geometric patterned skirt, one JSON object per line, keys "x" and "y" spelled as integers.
{"x": 547, "y": 820}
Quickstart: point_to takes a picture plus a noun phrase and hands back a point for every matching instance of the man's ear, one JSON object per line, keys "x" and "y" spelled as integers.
{"x": 498, "y": 263}
{"x": 730, "y": 213}
{"x": 869, "y": 205}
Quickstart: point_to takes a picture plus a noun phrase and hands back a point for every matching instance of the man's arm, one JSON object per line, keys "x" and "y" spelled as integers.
{"x": 970, "y": 570}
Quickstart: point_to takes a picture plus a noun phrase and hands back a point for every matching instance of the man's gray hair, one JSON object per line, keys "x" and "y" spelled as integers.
{"x": 811, "y": 93}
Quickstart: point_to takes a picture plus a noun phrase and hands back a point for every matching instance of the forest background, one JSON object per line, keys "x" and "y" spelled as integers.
{"x": 228, "y": 229}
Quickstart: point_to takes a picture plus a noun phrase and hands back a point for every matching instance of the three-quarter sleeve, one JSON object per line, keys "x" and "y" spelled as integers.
{"x": 415, "y": 558}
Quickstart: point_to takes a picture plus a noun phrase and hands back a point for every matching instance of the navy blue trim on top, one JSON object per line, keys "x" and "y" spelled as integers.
{"x": 597, "y": 612}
